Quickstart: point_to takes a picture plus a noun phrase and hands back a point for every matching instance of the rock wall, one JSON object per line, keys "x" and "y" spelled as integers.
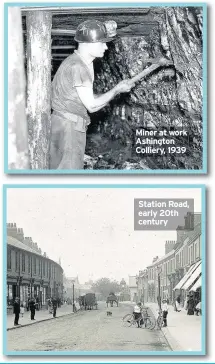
{"x": 169, "y": 98}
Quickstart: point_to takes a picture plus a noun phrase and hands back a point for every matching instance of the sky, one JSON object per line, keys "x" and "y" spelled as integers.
{"x": 92, "y": 229}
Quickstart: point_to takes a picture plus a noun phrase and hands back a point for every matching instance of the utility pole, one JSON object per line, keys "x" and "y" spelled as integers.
{"x": 73, "y": 296}
{"x": 159, "y": 287}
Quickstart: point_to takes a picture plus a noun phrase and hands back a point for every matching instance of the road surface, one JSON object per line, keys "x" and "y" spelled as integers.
{"x": 87, "y": 331}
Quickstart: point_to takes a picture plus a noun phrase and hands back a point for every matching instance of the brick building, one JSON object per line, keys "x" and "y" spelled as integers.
{"x": 29, "y": 273}
{"x": 179, "y": 270}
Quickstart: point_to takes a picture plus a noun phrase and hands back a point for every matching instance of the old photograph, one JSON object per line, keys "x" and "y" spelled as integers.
{"x": 114, "y": 89}
{"x": 104, "y": 270}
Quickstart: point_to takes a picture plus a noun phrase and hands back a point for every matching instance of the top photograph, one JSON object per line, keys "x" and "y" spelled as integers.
{"x": 105, "y": 88}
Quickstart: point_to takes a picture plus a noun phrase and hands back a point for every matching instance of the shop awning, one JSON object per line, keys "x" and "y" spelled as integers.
{"x": 187, "y": 276}
{"x": 196, "y": 274}
{"x": 197, "y": 285}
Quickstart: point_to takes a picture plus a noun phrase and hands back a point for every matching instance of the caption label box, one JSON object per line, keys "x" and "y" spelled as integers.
{"x": 160, "y": 142}
{"x": 163, "y": 214}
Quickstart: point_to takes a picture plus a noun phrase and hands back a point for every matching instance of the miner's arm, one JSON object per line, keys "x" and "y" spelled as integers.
{"x": 94, "y": 103}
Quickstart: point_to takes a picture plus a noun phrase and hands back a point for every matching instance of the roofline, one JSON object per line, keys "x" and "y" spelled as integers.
{"x": 38, "y": 255}
{"x": 174, "y": 251}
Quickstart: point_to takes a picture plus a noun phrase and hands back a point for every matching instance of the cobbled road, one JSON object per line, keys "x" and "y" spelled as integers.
{"x": 87, "y": 331}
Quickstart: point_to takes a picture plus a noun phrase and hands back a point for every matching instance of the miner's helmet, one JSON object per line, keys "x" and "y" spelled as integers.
{"x": 94, "y": 31}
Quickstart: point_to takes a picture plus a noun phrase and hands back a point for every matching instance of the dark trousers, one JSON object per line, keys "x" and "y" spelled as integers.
{"x": 137, "y": 316}
{"x": 54, "y": 311}
{"x": 32, "y": 313}
{"x": 16, "y": 319}
{"x": 165, "y": 313}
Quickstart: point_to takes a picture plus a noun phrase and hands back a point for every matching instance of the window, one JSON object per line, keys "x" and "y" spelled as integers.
{"x": 23, "y": 262}
{"x": 47, "y": 270}
{"x": 40, "y": 267}
{"x": 34, "y": 265}
{"x": 44, "y": 268}
{"x": 191, "y": 254}
{"x": 17, "y": 261}
{"x": 197, "y": 249}
{"x": 8, "y": 259}
{"x": 29, "y": 264}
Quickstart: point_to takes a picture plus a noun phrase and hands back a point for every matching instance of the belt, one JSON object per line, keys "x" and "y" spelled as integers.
{"x": 69, "y": 116}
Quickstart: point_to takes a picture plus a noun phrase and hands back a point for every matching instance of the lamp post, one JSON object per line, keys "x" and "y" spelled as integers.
{"x": 73, "y": 295}
{"x": 159, "y": 270}
{"x": 41, "y": 299}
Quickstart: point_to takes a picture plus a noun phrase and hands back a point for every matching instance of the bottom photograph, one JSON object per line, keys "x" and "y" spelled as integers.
{"x": 104, "y": 270}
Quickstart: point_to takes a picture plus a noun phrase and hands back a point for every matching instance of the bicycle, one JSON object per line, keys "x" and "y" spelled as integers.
{"x": 144, "y": 321}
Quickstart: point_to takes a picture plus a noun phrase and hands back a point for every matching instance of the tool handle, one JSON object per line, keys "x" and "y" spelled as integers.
{"x": 156, "y": 64}
{"x": 144, "y": 73}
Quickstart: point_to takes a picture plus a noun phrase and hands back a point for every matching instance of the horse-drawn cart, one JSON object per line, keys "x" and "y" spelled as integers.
{"x": 88, "y": 301}
{"x": 111, "y": 299}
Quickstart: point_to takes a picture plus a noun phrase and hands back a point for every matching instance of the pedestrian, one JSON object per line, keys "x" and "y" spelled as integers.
{"x": 73, "y": 97}
{"x": 22, "y": 309}
{"x": 32, "y": 307}
{"x": 16, "y": 311}
{"x": 54, "y": 305}
{"x": 137, "y": 312}
{"x": 177, "y": 304}
{"x": 37, "y": 303}
{"x": 165, "y": 312}
{"x": 190, "y": 305}
{"x": 50, "y": 305}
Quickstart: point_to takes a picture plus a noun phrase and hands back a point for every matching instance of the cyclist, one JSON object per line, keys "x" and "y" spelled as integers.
{"x": 137, "y": 312}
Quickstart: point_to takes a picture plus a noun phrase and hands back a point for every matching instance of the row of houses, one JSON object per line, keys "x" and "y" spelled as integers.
{"x": 178, "y": 272}
{"x": 29, "y": 272}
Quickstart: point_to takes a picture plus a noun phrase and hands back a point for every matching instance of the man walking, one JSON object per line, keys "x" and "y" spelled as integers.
{"x": 32, "y": 307}
{"x": 73, "y": 98}
{"x": 54, "y": 305}
{"x": 16, "y": 310}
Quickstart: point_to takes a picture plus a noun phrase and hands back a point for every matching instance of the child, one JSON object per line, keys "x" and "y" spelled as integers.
{"x": 165, "y": 312}
{"x": 22, "y": 310}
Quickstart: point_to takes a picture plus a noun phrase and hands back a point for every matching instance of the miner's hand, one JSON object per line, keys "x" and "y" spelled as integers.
{"x": 124, "y": 86}
{"x": 164, "y": 62}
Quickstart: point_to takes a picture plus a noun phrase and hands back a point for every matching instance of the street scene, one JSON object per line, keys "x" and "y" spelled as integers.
{"x": 82, "y": 277}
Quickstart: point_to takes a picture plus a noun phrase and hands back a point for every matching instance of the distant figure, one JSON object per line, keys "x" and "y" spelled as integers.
{"x": 165, "y": 312}
{"x": 54, "y": 305}
{"x": 16, "y": 310}
{"x": 190, "y": 305}
{"x": 177, "y": 304}
{"x": 37, "y": 306}
{"x": 32, "y": 307}
{"x": 22, "y": 309}
{"x": 198, "y": 309}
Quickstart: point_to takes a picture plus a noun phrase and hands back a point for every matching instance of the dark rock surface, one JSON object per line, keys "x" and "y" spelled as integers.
{"x": 169, "y": 98}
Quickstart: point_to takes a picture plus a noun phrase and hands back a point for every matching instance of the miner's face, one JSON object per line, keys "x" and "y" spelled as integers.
{"x": 97, "y": 50}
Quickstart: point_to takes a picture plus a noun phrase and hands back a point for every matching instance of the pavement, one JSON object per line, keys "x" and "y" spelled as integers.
{"x": 183, "y": 332}
{"x": 42, "y": 315}
{"x": 86, "y": 331}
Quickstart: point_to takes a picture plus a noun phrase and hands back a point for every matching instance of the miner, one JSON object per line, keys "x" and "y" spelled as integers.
{"x": 73, "y": 98}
